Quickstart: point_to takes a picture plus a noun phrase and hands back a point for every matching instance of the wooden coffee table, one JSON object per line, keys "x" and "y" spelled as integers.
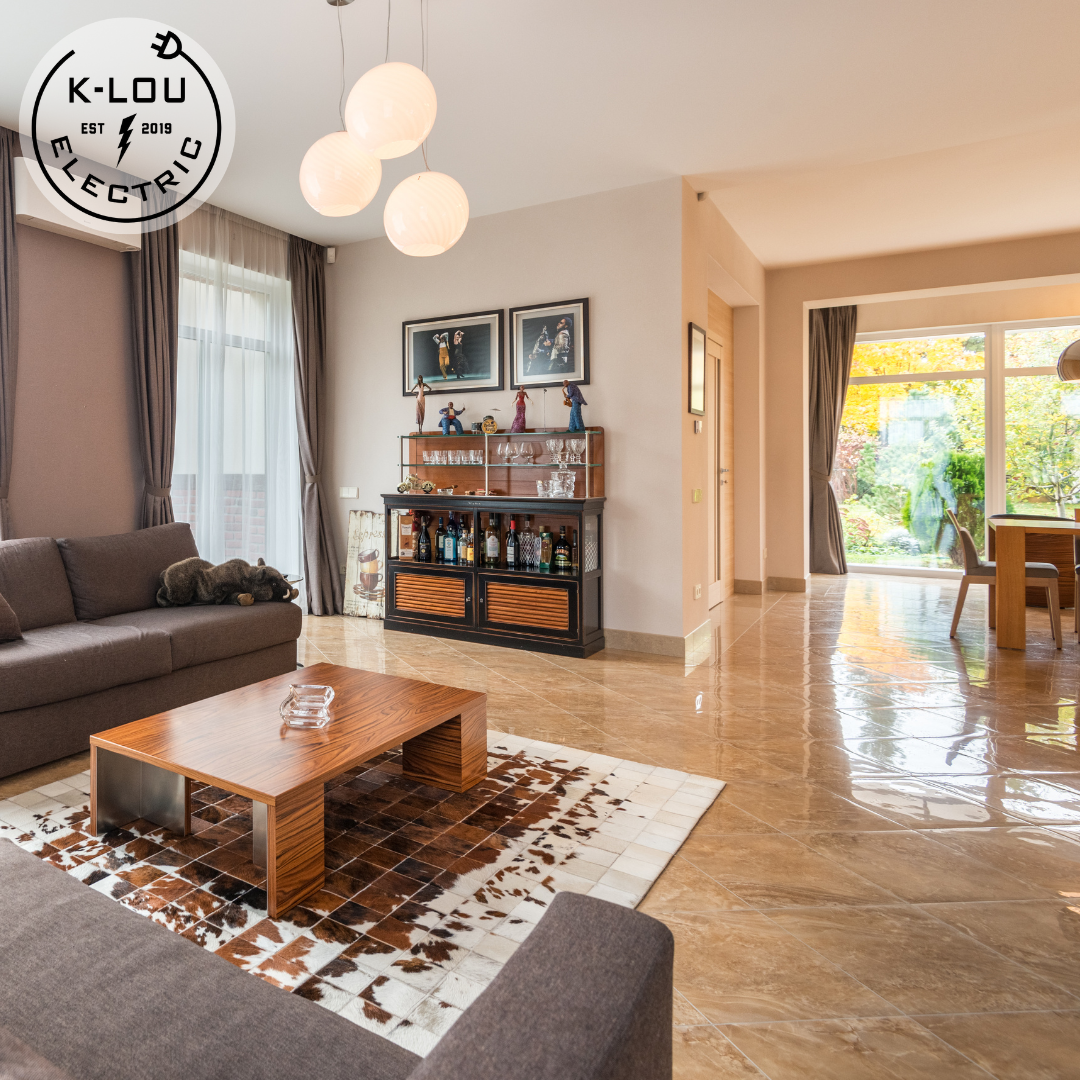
{"x": 237, "y": 741}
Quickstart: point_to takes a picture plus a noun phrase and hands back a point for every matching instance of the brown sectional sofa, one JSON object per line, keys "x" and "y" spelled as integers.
{"x": 96, "y": 650}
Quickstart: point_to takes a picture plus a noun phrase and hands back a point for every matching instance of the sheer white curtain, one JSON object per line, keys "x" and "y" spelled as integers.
{"x": 236, "y": 472}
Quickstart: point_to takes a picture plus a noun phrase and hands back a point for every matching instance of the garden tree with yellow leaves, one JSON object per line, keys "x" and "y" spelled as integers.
{"x": 908, "y": 450}
{"x": 1042, "y": 459}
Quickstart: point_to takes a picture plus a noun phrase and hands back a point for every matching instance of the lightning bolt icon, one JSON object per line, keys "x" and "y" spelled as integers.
{"x": 125, "y": 136}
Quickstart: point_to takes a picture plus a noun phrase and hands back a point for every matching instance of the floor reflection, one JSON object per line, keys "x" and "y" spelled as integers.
{"x": 892, "y": 875}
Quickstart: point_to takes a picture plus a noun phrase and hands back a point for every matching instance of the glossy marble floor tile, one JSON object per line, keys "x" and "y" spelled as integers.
{"x": 888, "y": 887}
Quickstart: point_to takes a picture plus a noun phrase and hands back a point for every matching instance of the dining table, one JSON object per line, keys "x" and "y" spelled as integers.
{"x": 1006, "y": 546}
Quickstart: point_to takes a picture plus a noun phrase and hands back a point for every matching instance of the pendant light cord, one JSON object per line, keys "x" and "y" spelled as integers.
{"x": 341, "y": 96}
{"x": 387, "y": 56}
{"x": 424, "y": 63}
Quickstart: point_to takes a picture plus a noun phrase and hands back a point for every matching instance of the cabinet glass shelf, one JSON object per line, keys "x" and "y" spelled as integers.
{"x": 499, "y": 465}
{"x": 499, "y": 434}
{"x": 588, "y": 448}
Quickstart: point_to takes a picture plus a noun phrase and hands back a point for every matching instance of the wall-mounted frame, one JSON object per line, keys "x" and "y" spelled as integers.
{"x": 696, "y": 403}
{"x": 549, "y": 343}
{"x": 457, "y": 354}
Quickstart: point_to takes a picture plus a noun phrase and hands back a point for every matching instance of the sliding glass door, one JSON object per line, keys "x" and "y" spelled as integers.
{"x": 972, "y": 419}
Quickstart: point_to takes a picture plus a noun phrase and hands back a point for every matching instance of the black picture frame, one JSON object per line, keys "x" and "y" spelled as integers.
{"x": 522, "y": 333}
{"x": 696, "y": 347}
{"x": 481, "y": 355}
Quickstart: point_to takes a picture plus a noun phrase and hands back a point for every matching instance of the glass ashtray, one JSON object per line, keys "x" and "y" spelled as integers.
{"x": 307, "y": 706}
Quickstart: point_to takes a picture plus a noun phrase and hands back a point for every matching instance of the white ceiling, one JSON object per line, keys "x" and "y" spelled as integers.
{"x": 823, "y": 130}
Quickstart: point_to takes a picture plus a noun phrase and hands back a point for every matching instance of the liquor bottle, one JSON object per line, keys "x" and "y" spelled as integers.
{"x": 470, "y": 546}
{"x": 527, "y": 544}
{"x": 423, "y": 544}
{"x": 440, "y": 543}
{"x": 561, "y": 554}
{"x": 512, "y": 547}
{"x": 545, "y": 548}
{"x": 450, "y": 553}
{"x": 491, "y": 542}
{"x": 574, "y": 553}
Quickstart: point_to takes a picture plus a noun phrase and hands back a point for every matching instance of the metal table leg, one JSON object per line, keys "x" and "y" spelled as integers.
{"x": 123, "y": 789}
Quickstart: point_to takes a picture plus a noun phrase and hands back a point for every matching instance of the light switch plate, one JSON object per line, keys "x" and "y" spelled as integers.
{"x": 349, "y": 493}
{"x": 695, "y": 495}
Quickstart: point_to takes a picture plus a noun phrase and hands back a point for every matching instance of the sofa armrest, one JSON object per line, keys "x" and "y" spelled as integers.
{"x": 588, "y": 996}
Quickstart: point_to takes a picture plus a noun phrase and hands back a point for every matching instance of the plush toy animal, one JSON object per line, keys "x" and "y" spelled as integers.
{"x": 195, "y": 581}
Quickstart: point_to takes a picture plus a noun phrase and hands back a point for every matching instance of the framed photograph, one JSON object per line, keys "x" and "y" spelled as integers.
{"x": 458, "y": 354}
{"x": 365, "y": 571}
{"x": 697, "y": 370}
{"x": 549, "y": 343}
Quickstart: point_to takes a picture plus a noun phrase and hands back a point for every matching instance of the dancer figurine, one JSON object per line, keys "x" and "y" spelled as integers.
{"x": 419, "y": 389}
{"x": 572, "y": 397}
{"x": 450, "y": 417}
{"x": 519, "y": 411}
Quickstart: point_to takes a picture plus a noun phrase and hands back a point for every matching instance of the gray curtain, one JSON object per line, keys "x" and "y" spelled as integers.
{"x": 307, "y": 272}
{"x": 832, "y": 343}
{"x": 155, "y": 300}
{"x": 9, "y": 318}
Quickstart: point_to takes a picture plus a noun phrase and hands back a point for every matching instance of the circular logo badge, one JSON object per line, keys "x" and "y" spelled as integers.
{"x": 127, "y": 125}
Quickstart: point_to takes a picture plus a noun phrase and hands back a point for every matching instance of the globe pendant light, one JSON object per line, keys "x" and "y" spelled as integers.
{"x": 391, "y": 110}
{"x": 426, "y": 214}
{"x": 338, "y": 178}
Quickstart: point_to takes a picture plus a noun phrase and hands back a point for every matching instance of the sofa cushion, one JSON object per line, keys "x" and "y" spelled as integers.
{"x": 54, "y": 663}
{"x": 33, "y": 581}
{"x": 10, "y": 630}
{"x": 202, "y": 633}
{"x": 109, "y": 575}
{"x": 110, "y": 995}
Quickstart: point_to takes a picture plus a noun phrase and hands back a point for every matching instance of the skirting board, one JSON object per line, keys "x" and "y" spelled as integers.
{"x": 633, "y": 641}
{"x": 748, "y": 587}
{"x": 785, "y": 584}
{"x": 661, "y": 644}
{"x": 698, "y": 642}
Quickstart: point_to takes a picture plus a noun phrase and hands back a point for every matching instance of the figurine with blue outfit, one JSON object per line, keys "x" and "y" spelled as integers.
{"x": 450, "y": 418}
{"x": 572, "y": 397}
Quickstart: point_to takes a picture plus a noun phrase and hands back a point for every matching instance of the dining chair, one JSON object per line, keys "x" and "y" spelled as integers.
{"x": 1076, "y": 558}
{"x": 976, "y": 572}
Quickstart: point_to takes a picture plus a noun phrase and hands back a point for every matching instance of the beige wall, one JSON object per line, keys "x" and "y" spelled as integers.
{"x": 75, "y": 465}
{"x": 619, "y": 248}
{"x": 973, "y": 269}
{"x": 715, "y": 258}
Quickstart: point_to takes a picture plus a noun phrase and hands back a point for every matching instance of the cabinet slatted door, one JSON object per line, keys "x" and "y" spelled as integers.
{"x": 527, "y": 605}
{"x": 428, "y": 595}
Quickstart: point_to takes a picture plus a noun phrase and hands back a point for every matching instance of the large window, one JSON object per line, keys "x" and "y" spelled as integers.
{"x": 973, "y": 419}
{"x": 236, "y": 467}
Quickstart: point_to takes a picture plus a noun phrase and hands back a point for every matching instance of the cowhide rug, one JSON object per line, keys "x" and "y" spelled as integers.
{"x": 427, "y": 893}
